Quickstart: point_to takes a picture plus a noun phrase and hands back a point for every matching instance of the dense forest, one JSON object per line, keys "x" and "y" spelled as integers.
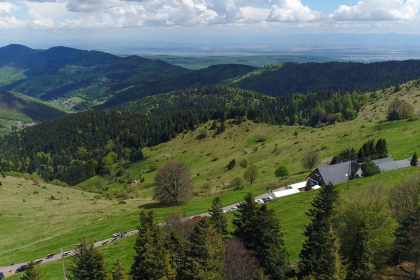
{"x": 73, "y": 148}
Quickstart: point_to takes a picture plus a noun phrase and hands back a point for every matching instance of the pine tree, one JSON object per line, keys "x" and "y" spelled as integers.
{"x": 87, "y": 263}
{"x": 32, "y": 272}
{"x": 319, "y": 254}
{"x": 152, "y": 259}
{"x": 308, "y": 186}
{"x": 177, "y": 249}
{"x": 205, "y": 256}
{"x": 414, "y": 159}
{"x": 217, "y": 217}
{"x": 118, "y": 271}
{"x": 260, "y": 231}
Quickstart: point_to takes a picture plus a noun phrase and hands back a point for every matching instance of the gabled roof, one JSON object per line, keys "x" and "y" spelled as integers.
{"x": 393, "y": 165}
{"x": 337, "y": 173}
{"x": 382, "y": 160}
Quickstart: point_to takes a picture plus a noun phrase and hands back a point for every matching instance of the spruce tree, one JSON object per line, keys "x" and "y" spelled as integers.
{"x": 87, "y": 263}
{"x": 177, "y": 248}
{"x": 217, "y": 217}
{"x": 152, "y": 259}
{"x": 414, "y": 159}
{"x": 319, "y": 255}
{"x": 260, "y": 231}
{"x": 205, "y": 254}
{"x": 118, "y": 271}
{"x": 32, "y": 272}
{"x": 308, "y": 186}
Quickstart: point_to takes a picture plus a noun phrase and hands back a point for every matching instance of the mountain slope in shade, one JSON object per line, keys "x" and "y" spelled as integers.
{"x": 17, "y": 108}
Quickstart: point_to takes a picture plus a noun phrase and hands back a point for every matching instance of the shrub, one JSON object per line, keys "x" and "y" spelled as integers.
{"x": 281, "y": 172}
{"x": 231, "y": 164}
{"x": 214, "y": 159}
{"x": 237, "y": 183}
{"x": 243, "y": 163}
{"x": 262, "y": 137}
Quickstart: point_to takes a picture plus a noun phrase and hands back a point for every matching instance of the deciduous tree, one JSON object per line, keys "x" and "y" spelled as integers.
{"x": 173, "y": 183}
{"x": 311, "y": 159}
{"x": 251, "y": 174}
{"x": 281, "y": 172}
{"x": 240, "y": 264}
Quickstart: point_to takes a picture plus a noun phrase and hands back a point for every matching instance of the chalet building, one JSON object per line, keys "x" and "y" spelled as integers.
{"x": 335, "y": 173}
{"x": 388, "y": 164}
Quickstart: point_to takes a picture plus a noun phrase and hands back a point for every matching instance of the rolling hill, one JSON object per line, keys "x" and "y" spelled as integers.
{"x": 17, "y": 108}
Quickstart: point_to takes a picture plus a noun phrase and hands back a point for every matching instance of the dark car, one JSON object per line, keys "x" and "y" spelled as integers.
{"x": 2, "y": 275}
{"x": 21, "y": 268}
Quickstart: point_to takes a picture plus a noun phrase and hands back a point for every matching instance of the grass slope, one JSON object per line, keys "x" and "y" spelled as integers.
{"x": 17, "y": 107}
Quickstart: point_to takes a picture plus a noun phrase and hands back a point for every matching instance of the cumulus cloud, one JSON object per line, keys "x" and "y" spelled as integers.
{"x": 378, "y": 10}
{"x": 7, "y": 18}
{"x": 292, "y": 10}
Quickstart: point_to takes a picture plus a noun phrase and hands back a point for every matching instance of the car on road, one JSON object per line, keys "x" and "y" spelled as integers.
{"x": 259, "y": 201}
{"x": 50, "y": 256}
{"x": 20, "y": 268}
{"x": 2, "y": 275}
{"x": 38, "y": 261}
{"x": 196, "y": 217}
{"x": 233, "y": 208}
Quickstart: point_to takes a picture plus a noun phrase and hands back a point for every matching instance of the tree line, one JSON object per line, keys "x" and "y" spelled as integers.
{"x": 75, "y": 147}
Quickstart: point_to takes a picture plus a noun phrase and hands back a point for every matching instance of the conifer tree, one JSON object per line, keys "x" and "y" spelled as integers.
{"x": 177, "y": 249}
{"x": 308, "y": 186}
{"x": 319, "y": 254}
{"x": 118, "y": 272}
{"x": 206, "y": 253}
{"x": 152, "y": 259}
{"x": 32, "y": 272}
{"x": 414, "y": 159}
{"x": 87, "y": 263}
{"x": 217, "y": 217}
{"x": 260, "y": 231}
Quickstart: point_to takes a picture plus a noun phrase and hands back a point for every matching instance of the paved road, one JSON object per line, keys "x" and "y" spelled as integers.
{"x": 9, "y": 270}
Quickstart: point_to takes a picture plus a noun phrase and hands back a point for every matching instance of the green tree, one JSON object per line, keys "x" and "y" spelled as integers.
{"x": 231, "y": 164}
{"x": 173, "y": 183}
{"x": 319, "y": 256}
{"x": 217, "y": 216}
{"x": 237, "y": 183}
{"x": 87, "y": 263}
{"x": 296, "y": 133}
{"x": 369, "y": 168}
{"x": 281, "y": 172}
{"x": 251, "y": 174}
{"x": 243, "y": 163}
{"x": 118, "y": 271}
{"x": 260, "y": 231}
{"x": 32, "y": 272}
{"x": 363, "y": 225}
{"x": 311, "y": 159}
{"x": 152, "y": 258}
{"x": 414, "y": 159}
{"x": 206, "y": 253}
{"x": 308, "y": 186}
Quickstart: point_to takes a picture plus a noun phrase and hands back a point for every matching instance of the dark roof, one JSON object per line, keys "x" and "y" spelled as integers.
{"x": 393, "y": 165}
{"x": 382, "y": 160}
{"x": 336, "y": 173}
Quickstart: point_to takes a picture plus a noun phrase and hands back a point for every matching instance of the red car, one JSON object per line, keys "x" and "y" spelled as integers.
{"x": 196, "y": 217}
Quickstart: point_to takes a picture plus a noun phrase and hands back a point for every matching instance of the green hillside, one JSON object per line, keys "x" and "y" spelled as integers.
{"x": 16, "y": 108}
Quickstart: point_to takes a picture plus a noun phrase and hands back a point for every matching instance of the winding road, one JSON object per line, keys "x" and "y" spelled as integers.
{"x": 10, "y": 270}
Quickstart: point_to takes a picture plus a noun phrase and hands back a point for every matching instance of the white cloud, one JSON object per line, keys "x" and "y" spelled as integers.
{"x": 255, "y": 13}
{"x": 7, "y": 18}
{"x": 292, "y": 10}
{"x": 378, "y": 10}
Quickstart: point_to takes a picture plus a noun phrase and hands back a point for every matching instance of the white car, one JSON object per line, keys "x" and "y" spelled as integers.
{"x": 233, "y": 208}
{"x": 259, "y": 201}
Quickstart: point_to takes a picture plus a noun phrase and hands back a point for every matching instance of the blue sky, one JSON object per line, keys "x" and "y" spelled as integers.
{"x": 49, "y": 20}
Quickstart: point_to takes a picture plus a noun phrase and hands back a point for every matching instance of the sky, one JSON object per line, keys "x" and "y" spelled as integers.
{"x": 43, "y": 22}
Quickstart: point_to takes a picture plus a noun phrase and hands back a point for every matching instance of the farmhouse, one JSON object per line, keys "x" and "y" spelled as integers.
{"x": 335, "y": 173}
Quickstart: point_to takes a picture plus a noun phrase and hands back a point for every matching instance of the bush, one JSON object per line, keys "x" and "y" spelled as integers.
{"x": 231, "y": 164}
{"x": 237, "y": 183}
{"x": 243, "y": 163}
{"x": 281, "y": 172}
{"x": 369, "y": 168}
{"x": 262, "y": 137}
{"x": 214, "y": 159}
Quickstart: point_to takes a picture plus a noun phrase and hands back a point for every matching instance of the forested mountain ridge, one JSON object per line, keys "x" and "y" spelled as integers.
{"x": 289, "y": 78}
{"x": 19, "y": 110}
{"x": 72, "y": 148}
